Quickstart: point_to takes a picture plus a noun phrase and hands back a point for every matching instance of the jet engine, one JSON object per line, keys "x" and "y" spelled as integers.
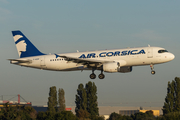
{"x": 125, "y": 69}
{"x": 115, "y": 67}
{"x": 111, "y": 67}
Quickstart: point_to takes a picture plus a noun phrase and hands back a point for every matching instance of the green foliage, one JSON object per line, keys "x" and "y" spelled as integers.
{"x": 177, "y": 95}
{"x": 172, "y": 100}
{"x": 65, "y": 115}
{"x": 86, "y": 101}
{"x": 143, "y": 116}
{"x": 97, "y": 118}
{"x": 116, "y": 116}
{"x": 81, "y": 99}
{"x": 52, "y": 99}
{"x": 83, "y": 114}
{"x": 173, "y": 116}
{"x": 41, "y": 116}
{"x": 17, "y": 113}
{"x": 160, "y": 118}
{"x": 48, "y": 115}
{"x": 92, "y": 106}
{"x": 61, "y": 100}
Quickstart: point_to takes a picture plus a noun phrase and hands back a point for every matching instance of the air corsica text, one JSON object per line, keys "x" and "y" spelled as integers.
{"x": 116, "y": 53}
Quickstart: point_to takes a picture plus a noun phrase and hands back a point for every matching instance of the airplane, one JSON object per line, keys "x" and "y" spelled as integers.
{"x": 112, "y": 61}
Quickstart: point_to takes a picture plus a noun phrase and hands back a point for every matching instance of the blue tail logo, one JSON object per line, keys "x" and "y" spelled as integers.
{"x": 24, "y": 47}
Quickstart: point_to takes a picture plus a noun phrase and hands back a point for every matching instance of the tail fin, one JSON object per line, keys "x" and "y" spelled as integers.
{"x": 24, "y": 47}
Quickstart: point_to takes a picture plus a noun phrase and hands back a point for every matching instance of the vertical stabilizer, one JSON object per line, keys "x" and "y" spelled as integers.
{"x": 24, "y": 47}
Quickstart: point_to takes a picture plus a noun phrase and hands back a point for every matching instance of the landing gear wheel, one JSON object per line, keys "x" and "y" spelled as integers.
{"x": 92, "y": 76}
{"x": 101, "y": 76}
{"x": 152, "y": 69}
{"x": 153, "y": 72}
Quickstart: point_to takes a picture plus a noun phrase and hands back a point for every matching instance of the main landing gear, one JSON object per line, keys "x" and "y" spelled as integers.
{"x": 152, "y": 69}
{"x": 93, "y": 76}
{"x": 101, "y": 76}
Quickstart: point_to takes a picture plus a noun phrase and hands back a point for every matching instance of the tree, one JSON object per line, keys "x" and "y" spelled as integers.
{"x": 92, "y": 106}
{"x": 31, "y": 111}
{"x": 52, "y": 99}
{"x": 9, "y": 112}
{"x": 65, "y": 115}
{"x": 81, "y": 99}
{"x": 143, "y": 116}
{"x": 61, "y": 100}
{"x": 177, "y": 94}
{"x": 169, "y": 100}
{"x": 172, "y": 116}
{"x": 115, "y": 116}
{"x": 86, "y": 100}
{"x": 83, "y": 114}
{"x": 172, "y": 100}
{"x": 41, "y": 115}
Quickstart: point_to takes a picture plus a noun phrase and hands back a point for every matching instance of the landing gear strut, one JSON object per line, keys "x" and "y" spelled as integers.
{"x": 152, "y": 69}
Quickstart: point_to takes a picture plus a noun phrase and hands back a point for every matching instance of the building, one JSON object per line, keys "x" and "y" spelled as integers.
{"x": 14, "y": 103}
{"x": 132, "y": 112}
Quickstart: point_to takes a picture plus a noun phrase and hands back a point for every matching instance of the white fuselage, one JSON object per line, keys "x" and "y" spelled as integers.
{"x": 126, "y": 57}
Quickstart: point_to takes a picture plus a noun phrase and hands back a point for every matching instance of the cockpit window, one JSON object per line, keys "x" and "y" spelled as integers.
{"x": 162, "y": 51}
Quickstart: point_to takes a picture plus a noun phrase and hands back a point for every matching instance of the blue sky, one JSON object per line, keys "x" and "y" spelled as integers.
{"x": 61, "y": 26}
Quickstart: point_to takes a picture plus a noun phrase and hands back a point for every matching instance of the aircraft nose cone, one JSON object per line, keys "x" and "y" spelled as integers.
{"x": 172, "y": 56}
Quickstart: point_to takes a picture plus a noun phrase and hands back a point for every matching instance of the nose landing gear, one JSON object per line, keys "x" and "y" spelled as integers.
{"x": 153, "y": 72}
{"x": 152, "y": 69}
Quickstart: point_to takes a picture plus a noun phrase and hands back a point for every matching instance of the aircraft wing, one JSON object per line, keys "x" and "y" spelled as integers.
{"x": 83, "y": 61}
{"x": 20, "y": 61}
{"x": 90, "y": 62}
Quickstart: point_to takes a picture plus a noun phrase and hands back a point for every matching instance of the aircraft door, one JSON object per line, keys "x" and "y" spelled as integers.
{"x": 150, "y": 53}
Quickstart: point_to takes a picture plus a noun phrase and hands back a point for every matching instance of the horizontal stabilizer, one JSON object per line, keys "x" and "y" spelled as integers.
{"x": 20, "y": 61}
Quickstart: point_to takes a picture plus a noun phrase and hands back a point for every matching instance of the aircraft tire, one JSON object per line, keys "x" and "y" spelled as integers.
{"x": 101, "y": 76}
{"x": 92, "y": 76}
{"x": 153, "y": 72}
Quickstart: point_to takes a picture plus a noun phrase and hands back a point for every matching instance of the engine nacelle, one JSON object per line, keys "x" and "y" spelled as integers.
{"x": 125, "y": 69}
{"x": 111, "y": 67}
{"x": 115, "y": 67}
